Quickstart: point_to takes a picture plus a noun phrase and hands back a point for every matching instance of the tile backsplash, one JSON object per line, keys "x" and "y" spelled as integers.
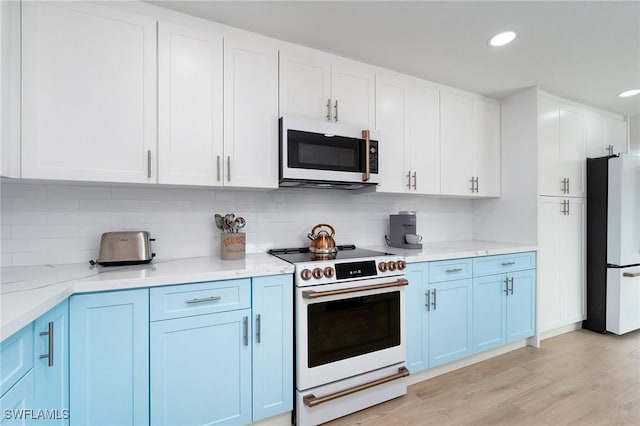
{"x": 55, "y": 223}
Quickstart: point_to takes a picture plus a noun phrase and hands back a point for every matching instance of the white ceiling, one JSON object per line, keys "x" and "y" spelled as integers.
{"x": 587, "y": 51}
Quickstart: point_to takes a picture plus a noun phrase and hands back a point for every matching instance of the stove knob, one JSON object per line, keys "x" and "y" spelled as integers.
{"x": 382, "y": 266}
{"x": 305, "y": 274}
{"x": 401, "y": 265}
{"x": 317, "y": 273}
{"x": 329, "y": 272}
{"x": 392, "y": 266}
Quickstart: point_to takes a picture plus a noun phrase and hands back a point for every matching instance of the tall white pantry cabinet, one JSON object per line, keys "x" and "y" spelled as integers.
{"x": 567, "y": 134}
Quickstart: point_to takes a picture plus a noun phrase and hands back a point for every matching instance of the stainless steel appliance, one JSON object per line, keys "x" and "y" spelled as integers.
{"x": 125, "y": 248}
{"x": 349, "y": 331}
{"x": 322, "y": 154}
{"x": 401, "y": 225}
{"x": 613, "y": 244}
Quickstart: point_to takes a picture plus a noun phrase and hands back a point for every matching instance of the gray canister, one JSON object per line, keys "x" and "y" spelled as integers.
{"x": 232, "y": 245}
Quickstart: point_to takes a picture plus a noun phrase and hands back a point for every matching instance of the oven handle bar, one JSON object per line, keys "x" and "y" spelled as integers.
{"x": 310, "y": 294}
{"x": 311, "y": 400}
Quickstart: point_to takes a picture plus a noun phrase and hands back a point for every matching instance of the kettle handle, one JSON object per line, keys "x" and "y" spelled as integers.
{"x": 333, "y": 231}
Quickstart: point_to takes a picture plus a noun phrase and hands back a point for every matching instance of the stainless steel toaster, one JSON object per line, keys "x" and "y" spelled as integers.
{"x": 125, "y": 248}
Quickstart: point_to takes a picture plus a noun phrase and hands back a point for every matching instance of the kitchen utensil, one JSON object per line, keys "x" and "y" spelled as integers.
{"x": 239, "y": 223}
{"x": 125, "y": 248}
{"x": 218, "y": 219}
{"x": 322, "y": 241}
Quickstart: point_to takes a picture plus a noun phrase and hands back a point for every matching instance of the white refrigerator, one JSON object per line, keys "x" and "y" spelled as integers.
{"x": 613, "y": 244}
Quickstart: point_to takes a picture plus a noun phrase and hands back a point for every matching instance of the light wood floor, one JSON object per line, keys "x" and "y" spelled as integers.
{"x": 578, "y": 378}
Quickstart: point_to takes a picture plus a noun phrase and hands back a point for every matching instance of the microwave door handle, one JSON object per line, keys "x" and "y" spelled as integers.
{"x": 367, "y": 147}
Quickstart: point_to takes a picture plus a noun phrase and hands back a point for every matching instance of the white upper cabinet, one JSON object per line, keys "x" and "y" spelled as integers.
{"x": 189, "y": 106}
{"x": 605, "y": 135}
{"x": 407, "y": 116}
{"x": 88, "y": 93}
{"x": 561, "y": 149}
{"x": 469, "y": 146}
{"x": 326, "y": 87}
{"x": 250, "y": 112}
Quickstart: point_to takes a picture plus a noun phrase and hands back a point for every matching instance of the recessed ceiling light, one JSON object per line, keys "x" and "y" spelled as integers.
{"x": 502, "y": 38}
{"x": 628, "y": 93}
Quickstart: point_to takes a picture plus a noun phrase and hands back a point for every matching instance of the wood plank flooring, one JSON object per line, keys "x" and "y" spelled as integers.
{"x": 578, "y": 378}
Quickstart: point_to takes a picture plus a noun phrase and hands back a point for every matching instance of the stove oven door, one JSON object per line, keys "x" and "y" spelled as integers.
{"x": 347, "y": 329}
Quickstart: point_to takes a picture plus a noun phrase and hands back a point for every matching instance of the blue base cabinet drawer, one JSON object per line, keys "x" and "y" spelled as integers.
{"x": 183, "y": 300}
{"x": 491, "y": 265}
{"x": 447, "y": 270}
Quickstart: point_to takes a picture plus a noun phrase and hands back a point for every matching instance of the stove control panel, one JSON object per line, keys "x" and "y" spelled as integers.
{"x": 333, "y": 272}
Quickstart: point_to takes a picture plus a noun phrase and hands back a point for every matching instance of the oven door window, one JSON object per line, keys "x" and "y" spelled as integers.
{"x": 308, "y": 150}
{"x": 346, "y": 328}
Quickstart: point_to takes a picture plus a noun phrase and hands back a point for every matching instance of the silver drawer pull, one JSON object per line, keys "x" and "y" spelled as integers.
{"x": 631, "y": 274}
{"x": 204, "y": 299}
{"x": 453, "y": 270}
{"x": 508, "y": 263}
{"x": 49, "y": 333}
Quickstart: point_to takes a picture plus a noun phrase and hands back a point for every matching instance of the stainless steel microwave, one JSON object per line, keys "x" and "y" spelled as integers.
{"x": 320, "y": 154}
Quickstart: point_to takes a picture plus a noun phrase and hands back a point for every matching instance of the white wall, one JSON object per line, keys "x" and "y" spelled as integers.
{"x": 513, "y": 216}
{"x": 54, "y": 223}
{"x": 634, "y": 134}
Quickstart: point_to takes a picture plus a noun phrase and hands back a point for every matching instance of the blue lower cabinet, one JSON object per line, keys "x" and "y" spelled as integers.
{"x": 17, "y": 404}
{"x": 51, "y": 365}
{"x": 201, "y": 370}
{"x": 417, "y": 319}
{"x": 503, "y": 309}
{"x": 272, "y": 346}
{"x": 109, "y": 358}
{"x": 450, "y": 316}
{"x": 521, "y": 306}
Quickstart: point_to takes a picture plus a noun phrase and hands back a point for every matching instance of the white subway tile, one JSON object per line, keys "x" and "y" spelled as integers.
{"x": 6, "y": 259}
{"x": 44, "y": 231}
{"x": 79, "y": 192}
{"x": 22, "y": 246}
{"x": 25, "y": 218}
{"x": 11, "y": 189}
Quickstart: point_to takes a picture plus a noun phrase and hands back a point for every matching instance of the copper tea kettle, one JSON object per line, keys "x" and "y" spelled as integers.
{"x": 322, "y": 242}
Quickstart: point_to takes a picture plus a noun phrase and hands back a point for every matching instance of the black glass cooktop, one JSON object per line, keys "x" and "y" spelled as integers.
{"x": 299, "y": 255}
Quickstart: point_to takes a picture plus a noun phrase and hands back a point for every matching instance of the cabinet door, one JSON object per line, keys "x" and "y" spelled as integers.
{"x": 391, "y": 100}
{"x": 549, "y": 263}
{"x": 109, "y": 358}
{"x": 353, "y": 93}
{"x": 572, "y": 263}
{"x": 272, "y": 346}
{"x": 521, "y": 312}
{"x": 486, "y": 147}
{"x": 572, "y": 151}
{"x": 189, "y": 106}
{"x": 52, "y": 372}
{"x": 423, "y": 139}
{"x": 305, "y": 85}
{"x": 549, "y": 180}
{"x": 417, "y": 318}
{"x": 201, "y": 370}
{"x": 450, "y": 324}
{"x": 615, "y": 135}
{"x": 88, "y": 93}
{"x": 250, "y": 113}
{"x": 456, "y": 145}
{"x": 489, "y": 312}
{"x": 15, "y": 403}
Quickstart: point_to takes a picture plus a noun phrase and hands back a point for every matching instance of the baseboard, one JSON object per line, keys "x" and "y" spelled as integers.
{"x": 561, "y": 330}
{"x": 283, "y": 419}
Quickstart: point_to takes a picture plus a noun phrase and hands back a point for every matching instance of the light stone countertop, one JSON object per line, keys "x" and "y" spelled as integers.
{"x": 27, "y": 292}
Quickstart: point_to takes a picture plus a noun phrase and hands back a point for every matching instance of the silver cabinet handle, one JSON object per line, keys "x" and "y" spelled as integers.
{"x": 409, "y": 180}
{"x": 565, "y": 208}
{"x": 245, "y": 327}
{"x": 477, "y": 184}
{"x": 568, "y": 207}
{"x": 449, "y": 271}
{"x": 48, "y": 333}
{"x": 610, "y": 149}
{"x": 512, "y": 286}
{"x": 228, "y": 169}
{"x": 415, "y": 181}
{"x": 329, "y": 109}
{"x": 258, "y": 328}
{"x": 473, "y": 187}
{"x": 336, "y": 111}
{"x": 204, "y": 299}
{"x": 508, "y": 263}
{"x": 434, "y": 299}
{"x": 428, "y": 304}
{"x": 149, "y": 163}
{"x": 218, "y": 168}
{"x": 568, "y": 186}
{"x": 506, "y": 286}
